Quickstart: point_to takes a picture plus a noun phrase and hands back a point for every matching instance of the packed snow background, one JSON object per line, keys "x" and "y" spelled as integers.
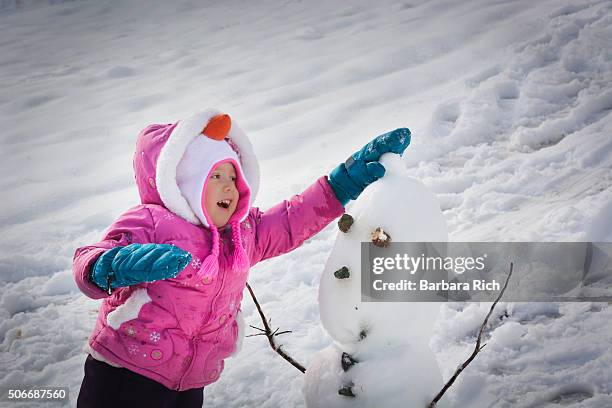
{"x": 509, "y": 104}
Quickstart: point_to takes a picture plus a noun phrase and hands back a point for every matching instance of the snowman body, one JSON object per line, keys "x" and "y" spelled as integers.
{"x": 385, "y": 345}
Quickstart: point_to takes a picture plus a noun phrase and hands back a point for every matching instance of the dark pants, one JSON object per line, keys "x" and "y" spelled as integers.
{"x": 107, "y": 386}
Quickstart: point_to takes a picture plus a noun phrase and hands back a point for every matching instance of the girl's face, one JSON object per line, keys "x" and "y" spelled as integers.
{"x": 221, "y": 195}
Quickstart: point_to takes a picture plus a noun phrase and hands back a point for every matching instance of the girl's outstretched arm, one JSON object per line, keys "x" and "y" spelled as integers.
{"x": 286, "y": 225}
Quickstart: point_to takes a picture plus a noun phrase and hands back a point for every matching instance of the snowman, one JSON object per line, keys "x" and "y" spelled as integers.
{"x": 380, "y": 355}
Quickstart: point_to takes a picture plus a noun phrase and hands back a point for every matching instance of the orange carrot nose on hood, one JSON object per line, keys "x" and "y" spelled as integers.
{"x": 218, "y": 127}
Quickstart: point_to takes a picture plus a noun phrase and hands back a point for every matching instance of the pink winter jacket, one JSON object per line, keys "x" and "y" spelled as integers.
{"x": 177, "y": 331}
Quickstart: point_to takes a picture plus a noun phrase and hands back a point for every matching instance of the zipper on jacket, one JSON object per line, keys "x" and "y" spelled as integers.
{"x": 199, "y": 332}
{"x": 191, "y": 357}
{"x": 213, "y": 303}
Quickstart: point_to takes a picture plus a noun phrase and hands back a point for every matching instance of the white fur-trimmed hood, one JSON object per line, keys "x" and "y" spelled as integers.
{"x": 172, "y": 151}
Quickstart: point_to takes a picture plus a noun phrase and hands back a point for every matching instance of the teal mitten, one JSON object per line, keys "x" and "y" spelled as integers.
{"x": 350, "y": 178}
{"x": 138, "y": 263}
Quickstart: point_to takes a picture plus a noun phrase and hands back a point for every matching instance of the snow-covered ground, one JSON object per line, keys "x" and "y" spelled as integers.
{"x": 509, "y": 104}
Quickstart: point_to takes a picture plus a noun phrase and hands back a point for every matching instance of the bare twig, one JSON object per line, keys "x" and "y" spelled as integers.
{"x": 263, "y": 332}
{"x": 270, "y": 335}
{"x": 477, "y": 348}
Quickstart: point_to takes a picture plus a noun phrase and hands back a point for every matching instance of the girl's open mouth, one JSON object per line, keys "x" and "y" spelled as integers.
{"x": 224, "y": 203}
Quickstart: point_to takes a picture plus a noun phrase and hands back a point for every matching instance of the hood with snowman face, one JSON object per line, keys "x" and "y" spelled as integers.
{"x": 173, "y": 163}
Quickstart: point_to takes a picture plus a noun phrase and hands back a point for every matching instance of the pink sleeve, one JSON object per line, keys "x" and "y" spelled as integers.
{"x": 288, "y": 224}
{"x": 134, "y": 226}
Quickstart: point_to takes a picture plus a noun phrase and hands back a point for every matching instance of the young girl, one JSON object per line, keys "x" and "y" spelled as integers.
{"x": 172, "y": 270}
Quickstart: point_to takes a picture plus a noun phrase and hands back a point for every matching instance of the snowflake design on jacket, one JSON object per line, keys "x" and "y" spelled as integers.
{"x": 132, "y": 349}
{"x": 130, "y": 331}
{"x": 196, "y": 263}
{"x": 168, "y": 216}
{"x": 154, "y": 337}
